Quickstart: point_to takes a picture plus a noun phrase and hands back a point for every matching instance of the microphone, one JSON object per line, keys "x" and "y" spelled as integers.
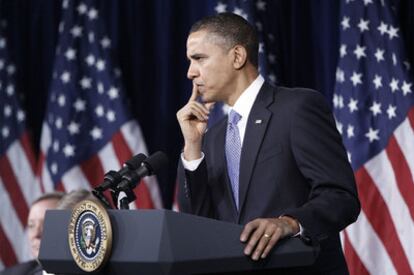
{"x": 112, "y": 178}
{"x": 152, "y": 165}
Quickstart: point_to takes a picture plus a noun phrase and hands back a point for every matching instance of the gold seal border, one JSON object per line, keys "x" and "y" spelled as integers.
{"x": 106, "y": 229}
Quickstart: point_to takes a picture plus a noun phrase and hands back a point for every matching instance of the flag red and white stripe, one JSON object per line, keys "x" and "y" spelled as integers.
{"x": 381, "y": 241}
{"x": 125, "y": 143}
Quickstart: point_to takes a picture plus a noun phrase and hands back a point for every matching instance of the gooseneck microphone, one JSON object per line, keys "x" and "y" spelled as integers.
{"x": 152, "y": 165}
{"x": 112, "y": 178}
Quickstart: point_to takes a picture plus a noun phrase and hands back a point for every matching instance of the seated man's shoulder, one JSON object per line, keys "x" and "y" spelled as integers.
{"x": 30, "y": 267}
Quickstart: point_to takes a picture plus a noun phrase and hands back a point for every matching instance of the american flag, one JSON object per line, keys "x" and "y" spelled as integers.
{"x": 373, "y": 106}
{"x": 18, "y": 188}
{"x": 87, "y": 129}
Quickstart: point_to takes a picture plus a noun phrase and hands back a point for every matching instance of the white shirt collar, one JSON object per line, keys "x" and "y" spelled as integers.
{"x": 245, "y": 102}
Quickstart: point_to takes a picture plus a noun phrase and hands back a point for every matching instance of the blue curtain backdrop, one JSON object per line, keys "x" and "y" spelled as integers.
{"x": 149, "y": 38}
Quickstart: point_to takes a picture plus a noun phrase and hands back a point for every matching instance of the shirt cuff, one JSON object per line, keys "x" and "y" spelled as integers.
{"x": 300, "y": 233}
{"x": 192, "y": 164}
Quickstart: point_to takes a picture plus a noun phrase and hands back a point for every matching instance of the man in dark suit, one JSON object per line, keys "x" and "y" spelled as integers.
{"x": 35, "y": 222}
{"x": 276, "y": 164}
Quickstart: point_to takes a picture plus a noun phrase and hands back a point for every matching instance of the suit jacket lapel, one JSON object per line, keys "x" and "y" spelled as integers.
{"x": 256, "y": 127}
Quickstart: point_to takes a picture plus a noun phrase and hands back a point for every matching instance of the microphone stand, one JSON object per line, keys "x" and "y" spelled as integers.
{"x": 124, "y": 202}
{"x": 100, "y": 196}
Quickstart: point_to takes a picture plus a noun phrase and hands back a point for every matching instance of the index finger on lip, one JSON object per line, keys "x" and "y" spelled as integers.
{"x": 194, "y": 93}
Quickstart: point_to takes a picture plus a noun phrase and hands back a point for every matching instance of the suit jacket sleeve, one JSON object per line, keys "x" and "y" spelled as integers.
{"x": 194, "y": 199}
{"x": 318, "y": 151}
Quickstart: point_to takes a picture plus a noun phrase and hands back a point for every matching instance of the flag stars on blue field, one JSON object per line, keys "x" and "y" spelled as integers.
{"x": 100, "y": 65}
{"x": 106, "y": 42}
{"x": 394, "y": 85}
{"x": 62, "y": 100}
{"x": 113, "y": 93}
{"x": 96, "y": 133}
{"x": 220, "y": 8}
{"x": 92, "y": 14}
{"x": 360, "y": 51}
{"x": 58, "y": 123}
{"x": 353, "y": 105}
{"x": 90, "y": 60}
{"x": 406, "y": 88}
{"x": 61, "y": 27}
{"x": 82, "y": 8}
{"x": 392, "y": 32}
{"x": 76, "y": 31}
{"x": 340, "y": 75}
{"x": 73, "y": 128}
{"x": 338, "y": 101}
{"x": 65, "y": 77}
{"x": 86, "y": 83}
{"x": 379, "y": 55}
{"x": 350, "y": 131}
{"x": 372, "y": 134}
{"x": 375, "y": 108}
{"x": 99, "y": 110}
{"x": 100, "y": 88}
{"x": 55, "y": 146}
{"x": 91, "y": 37}
{"x": 363, "y": 25}
{"x": 79, "y": 105}
{"x": 70, "y": 54}
{"x": 391, "y": 111}
{"x": 356, "y": 78}
{"x": 261, "y": 5}
{"x": 110, "y": 116}
{"x": 11, "y": 69}
{"x": 383, "y": 28}
{"x": 5, "y": 132}
{"x": 342, "y": 50}
{"x": 69, "y": 150}
{"x": 345, "y": 23}
{"x": 377, "y": 81}
{"x": 394, "y": 59}
{"x": 7, "y": 110}
{"x": 54, "y": 168}
{"x": 21, "y": 115}
{"x": 10, "y": 89}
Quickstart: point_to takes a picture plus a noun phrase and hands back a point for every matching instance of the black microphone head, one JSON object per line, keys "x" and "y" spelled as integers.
{"x": 135, "y": 162}
{"x": 156, "y": 162}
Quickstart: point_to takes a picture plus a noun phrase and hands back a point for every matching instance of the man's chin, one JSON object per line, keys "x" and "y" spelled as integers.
{"x": 206, "y": 99}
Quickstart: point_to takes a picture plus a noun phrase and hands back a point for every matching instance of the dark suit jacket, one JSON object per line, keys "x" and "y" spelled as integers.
{"x": 292, "y": 163}
{"x": 26, "y": 268}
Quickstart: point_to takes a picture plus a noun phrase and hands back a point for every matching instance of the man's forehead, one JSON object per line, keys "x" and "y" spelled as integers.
{"x": 204, "y": 37}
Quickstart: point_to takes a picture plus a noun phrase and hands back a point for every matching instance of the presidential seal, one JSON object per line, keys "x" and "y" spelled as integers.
{"x": 90, "y": 235}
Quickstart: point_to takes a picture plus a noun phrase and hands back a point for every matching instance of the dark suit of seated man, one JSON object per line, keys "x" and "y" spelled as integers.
{"x": 276, "y": 164}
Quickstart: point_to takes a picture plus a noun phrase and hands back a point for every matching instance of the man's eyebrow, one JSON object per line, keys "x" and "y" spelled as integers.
{"x": 197, "y": 55}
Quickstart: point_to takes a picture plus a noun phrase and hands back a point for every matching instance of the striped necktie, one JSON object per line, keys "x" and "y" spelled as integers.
{"x": 233, "y": 151}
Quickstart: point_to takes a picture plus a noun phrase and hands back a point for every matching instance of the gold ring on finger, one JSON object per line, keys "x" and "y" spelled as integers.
{"x": 266, "y": 235}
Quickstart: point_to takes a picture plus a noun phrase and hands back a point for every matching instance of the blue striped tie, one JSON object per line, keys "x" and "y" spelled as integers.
{"x": 233, "y": 150}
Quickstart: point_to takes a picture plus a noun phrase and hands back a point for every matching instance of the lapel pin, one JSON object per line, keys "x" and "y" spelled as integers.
{"x": 258, "y": 121}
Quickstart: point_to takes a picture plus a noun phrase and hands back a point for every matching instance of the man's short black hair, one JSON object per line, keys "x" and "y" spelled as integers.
{"x": 234, "y": 30}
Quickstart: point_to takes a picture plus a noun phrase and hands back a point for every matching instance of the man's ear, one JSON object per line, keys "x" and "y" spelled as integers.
{"x": 240, "y": 57}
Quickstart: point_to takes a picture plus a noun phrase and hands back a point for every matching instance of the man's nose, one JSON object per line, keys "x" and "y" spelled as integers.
{"x": 192, "y": 72}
